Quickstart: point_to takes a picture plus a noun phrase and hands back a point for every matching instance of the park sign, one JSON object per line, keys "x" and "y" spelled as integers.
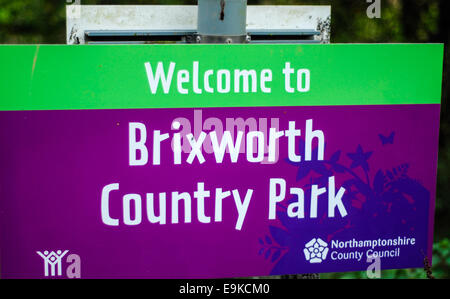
{"x": 209, "y": 161}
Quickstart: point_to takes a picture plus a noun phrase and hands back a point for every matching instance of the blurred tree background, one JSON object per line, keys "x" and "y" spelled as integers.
{"x": 402, "y": 21}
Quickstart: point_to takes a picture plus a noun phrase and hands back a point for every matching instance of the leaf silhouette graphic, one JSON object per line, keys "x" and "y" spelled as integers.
{"x": 378, "y": 182}
{"x": 338, "y": 168}
{"x": 363, "y": 188}
{"x": 322, "y": 180}
{"x": 303, "y": 171}
{"x": 267, "y": 254}
{"x": 348, "y": 183}
{"x": 288, "y": 222}
{"x": 276, "y": 255}
{"x": 320, "y": 168}
{"x": 335, "y": 157}
{"x": 279, "y": 235}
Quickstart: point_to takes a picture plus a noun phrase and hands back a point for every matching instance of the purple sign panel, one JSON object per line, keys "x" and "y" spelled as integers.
{"x": 216, "y": 192}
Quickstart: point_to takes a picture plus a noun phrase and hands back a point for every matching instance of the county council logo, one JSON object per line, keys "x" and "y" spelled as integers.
{"x": 316, "y": 251}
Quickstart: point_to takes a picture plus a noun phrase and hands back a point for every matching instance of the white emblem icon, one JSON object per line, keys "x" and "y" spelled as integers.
{"x": 52, "y": 259}
{"x": 316, "y": 251}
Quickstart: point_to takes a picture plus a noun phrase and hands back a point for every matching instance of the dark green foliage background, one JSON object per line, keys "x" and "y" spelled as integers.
{"x": 402, "y": 21}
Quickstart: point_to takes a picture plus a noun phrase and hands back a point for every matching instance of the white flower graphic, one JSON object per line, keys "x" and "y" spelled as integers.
{"x": 316, "y": 251}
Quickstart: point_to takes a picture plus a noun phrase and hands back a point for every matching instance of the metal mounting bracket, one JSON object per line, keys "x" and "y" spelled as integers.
{"x": 143, "y": 24}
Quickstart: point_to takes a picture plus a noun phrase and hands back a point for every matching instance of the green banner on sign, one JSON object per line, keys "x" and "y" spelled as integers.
{"x": 48, "y": 77}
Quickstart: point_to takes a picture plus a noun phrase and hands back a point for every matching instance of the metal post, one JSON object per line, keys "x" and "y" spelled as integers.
{"x": 222, "y": 21}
